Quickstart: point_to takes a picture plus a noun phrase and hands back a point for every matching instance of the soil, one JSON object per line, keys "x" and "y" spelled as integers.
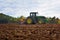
{"x": 30, "y": 32}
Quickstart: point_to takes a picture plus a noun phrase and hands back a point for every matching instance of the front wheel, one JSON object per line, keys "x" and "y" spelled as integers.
{"x": 29, "y": 21}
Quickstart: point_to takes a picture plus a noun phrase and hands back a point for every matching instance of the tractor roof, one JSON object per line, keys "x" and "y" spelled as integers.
{"x": 33, "y": 12}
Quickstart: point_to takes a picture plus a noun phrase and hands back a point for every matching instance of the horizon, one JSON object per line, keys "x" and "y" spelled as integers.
{"x": 17, "y": 8}
{"x": 28, "y": 16}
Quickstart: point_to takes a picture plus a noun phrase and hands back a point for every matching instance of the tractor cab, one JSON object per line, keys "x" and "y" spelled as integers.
{"x": 33, "y": 14}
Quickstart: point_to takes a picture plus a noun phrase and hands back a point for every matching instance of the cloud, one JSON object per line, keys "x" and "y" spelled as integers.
{"x": 24, "y": 7}
{"x": 50, "y": 8}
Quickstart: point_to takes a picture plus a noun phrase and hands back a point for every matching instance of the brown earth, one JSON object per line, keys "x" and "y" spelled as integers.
{"x": 30, "y": 32}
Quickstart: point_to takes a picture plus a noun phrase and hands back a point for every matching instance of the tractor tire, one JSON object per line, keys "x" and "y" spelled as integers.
{"x": 29, "y": 21}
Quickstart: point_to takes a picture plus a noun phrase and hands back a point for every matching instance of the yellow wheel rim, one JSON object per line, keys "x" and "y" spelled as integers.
{"x": 29, "y": 21}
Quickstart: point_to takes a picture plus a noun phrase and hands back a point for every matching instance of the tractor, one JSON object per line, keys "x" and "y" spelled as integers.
{"x": 33, "y": 18}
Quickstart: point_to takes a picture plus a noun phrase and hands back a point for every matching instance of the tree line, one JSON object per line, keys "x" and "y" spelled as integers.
{"x": 8, "y": 19}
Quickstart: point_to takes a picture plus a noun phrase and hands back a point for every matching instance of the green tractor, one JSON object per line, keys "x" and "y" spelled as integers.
{"x": 33, "y": 19}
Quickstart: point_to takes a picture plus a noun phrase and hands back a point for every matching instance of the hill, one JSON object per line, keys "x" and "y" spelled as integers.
{"x": 6, "y": 19}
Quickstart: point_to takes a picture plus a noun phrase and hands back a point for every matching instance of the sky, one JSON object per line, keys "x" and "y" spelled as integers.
{"x": 17, "y": 8}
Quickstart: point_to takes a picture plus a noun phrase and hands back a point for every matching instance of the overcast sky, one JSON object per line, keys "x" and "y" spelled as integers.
{"x": 16, "y": 8}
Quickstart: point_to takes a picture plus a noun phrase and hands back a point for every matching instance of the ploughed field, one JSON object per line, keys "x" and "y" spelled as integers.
{"x": 30, "y": 32}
